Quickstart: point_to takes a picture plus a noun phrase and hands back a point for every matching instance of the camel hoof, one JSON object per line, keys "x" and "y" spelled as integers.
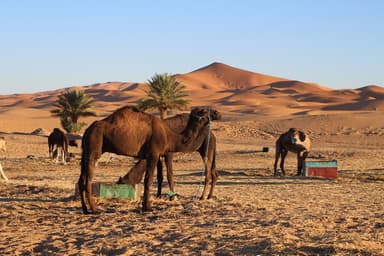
{"x": 120, "y": 181}
{"x": 147, "y": 208}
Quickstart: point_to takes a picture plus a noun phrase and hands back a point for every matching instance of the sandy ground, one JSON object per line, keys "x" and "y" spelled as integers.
{"x": 252, "y": 212}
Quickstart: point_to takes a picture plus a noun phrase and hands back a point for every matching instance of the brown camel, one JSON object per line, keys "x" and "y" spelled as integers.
{"x": 295, "y": 141}
{"x": 57, "y": 138}
{"x": 207, "y": 152}
{"x": 130, "y": 132}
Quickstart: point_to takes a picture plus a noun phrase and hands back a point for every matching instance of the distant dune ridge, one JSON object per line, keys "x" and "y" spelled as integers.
{"x": 237, "y": 93}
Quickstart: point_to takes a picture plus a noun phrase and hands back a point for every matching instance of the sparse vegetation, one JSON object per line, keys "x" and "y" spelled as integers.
{"x": 70, "y": 106}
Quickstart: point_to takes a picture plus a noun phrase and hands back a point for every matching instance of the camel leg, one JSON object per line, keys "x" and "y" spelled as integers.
{"x": 148, "y": 179}
{"x": 277, "y": 156}
{"x": 2, "y": 173}
{"x": 91, "y": 153}
{"x": 169, "y": 166}
{"x": 55, "y": 154}
{"x": 301, "y": 156}
{"x": 88, "y": 185}
{"x": 135, "y": 174}
{"x": 299, "y": 165}
{"x": 160, "y": 177}
{"x": 62, "y": 155}
{"x": 85, "y": 185}
{"x": 214, "y": 174}
{"x": 210, "y": 166}
{"x": 278, "y": 153}
{"x": 305, "y": 155}
{"x": 283, "y": 155}
{"x": 206, "y": 180}
{"x": 206, "y": 156}
{"x": 81, "y": 186}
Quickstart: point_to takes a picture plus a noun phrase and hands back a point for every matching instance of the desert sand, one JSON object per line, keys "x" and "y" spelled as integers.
{"x": 252, "y": 212}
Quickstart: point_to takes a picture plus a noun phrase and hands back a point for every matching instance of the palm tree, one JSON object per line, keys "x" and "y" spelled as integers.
{"x": 70, "y": 106}
{"x": 164, "y": 93}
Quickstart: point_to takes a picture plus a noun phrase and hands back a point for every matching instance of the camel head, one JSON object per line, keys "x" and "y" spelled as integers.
{"x": 199, "y": 118}
{"x": 212, "y": 113}
{"x": 296, "y": 136}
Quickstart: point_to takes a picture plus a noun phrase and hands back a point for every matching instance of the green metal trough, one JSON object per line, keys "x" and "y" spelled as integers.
{"x": 112, "y": 190}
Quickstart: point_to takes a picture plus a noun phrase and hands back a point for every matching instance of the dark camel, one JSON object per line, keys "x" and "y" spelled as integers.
{"x": 130, "y": 132}
{"x": 207, "y": 152}
{"x": 295, "y": 141}
{"x": 57, "y": 138}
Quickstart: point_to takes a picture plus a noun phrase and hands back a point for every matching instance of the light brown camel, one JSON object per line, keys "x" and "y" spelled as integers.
{"x": 4, "y": 149}
{"x": 295, "y": 141}
{"x": 3, "y": 144}
{"x": 57, "y": 138}
{"x": 207, "y": 152}
{"x": 2, "y": 174}
{"x": 130, "y": 132}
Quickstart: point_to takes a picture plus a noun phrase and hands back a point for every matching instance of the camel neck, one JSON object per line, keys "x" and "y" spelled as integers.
{"x": 189, "y": 140}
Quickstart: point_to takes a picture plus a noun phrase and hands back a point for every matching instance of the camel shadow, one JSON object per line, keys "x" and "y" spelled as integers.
{"x": 252, "y": 176}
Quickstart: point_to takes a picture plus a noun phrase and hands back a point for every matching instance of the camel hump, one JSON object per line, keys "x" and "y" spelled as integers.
{"x": 128, "y": 108}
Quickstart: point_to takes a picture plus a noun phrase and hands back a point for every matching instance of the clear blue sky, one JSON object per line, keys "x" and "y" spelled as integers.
{"x": 55, "y": 44}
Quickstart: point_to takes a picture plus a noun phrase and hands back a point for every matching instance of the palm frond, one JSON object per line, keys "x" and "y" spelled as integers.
{"x": 70, "y": 106}
{"x": 164, "y": 93}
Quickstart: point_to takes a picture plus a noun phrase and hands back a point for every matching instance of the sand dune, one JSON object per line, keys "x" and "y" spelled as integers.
{"x": 238, "y": 93}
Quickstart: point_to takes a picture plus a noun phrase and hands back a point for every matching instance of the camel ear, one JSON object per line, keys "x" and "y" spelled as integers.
{"x": 302, "y": 136}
